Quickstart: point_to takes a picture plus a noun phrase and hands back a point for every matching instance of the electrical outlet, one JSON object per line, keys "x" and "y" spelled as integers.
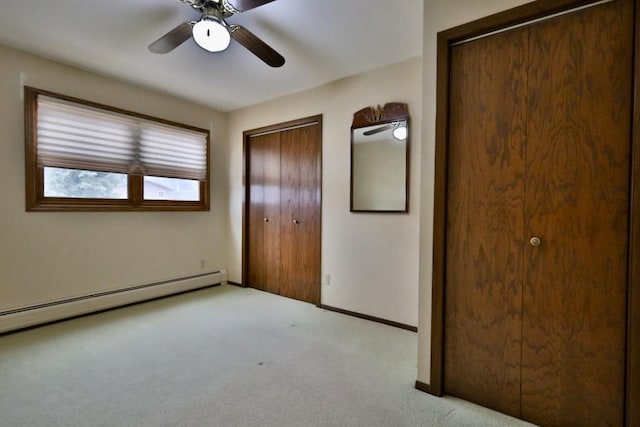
{"x": 327, "y": 279}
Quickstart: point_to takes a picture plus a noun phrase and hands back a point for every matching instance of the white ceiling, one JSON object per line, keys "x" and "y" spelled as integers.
{"x": 321, "y": 40}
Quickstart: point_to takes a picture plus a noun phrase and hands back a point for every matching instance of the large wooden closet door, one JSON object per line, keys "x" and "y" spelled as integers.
{"x": 485, "y": 221}
{"x": 539, "y": 146}
{"x": 282, "y": 234}
{"x": 577, "y": 203}
{"x": 264, "y": 213}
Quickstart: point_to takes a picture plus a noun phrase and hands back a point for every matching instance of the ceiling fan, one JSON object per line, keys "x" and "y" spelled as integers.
{"x": 213, "y": 34}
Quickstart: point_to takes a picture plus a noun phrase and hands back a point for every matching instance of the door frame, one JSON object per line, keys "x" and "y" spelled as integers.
{"x": 446, "y": 39}
{"x": 246, "y": 199}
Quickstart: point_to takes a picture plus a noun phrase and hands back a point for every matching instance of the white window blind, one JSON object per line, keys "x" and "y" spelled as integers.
{"x": 72, "y": 135}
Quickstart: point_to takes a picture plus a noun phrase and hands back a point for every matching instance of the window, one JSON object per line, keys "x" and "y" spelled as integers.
{"x": 82, "y": 156}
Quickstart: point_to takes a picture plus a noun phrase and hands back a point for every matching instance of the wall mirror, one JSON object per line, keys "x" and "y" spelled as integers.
{"x": 380, "y": 159}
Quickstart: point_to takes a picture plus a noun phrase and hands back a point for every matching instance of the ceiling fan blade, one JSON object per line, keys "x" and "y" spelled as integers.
{"x": 378, "y": 130}
{"x": 244, "y": 5}
{"x": 259, "y": 48}
{"x": 172, "y": 39}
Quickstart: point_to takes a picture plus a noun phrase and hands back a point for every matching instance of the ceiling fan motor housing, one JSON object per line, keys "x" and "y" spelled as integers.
{"x": 225, "y": 8}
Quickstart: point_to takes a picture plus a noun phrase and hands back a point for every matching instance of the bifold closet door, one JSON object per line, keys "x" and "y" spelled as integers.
{"x": 264, "y": 213}
{"x": 537, "y": 217}
{"x": 485, "y": 221}
{"x": 577, "y": 203}
{"x": 284, "y": 212}
{"x": 300, "y": 213}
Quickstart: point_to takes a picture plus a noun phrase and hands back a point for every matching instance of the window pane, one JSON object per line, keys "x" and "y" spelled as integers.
{"x": 59, "y": 182}
{"x": 186, "y": 190}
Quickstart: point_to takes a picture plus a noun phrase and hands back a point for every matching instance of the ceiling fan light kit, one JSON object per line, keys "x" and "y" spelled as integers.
{"x": 213, "y": 34}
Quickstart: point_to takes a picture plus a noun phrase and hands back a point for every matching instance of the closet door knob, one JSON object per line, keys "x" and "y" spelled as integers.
{"x": 266, "y": 219}
{"x": 295, "y": 221}
{"x": 535, "y": 241}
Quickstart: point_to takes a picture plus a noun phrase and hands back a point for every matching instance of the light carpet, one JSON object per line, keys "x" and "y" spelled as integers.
{"x": 222, "y": 356}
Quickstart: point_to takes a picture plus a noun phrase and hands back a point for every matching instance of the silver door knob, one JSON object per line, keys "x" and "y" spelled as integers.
{"x": 535, "y": 241}
{"x": 295, "y": 221}
{"x": 266, "y": 219}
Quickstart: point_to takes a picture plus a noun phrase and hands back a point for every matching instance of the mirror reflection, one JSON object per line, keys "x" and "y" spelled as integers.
{"x": 379, "y": 163}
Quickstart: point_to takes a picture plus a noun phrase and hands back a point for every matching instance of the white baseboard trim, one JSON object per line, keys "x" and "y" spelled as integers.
{"x": 25, "y": 317}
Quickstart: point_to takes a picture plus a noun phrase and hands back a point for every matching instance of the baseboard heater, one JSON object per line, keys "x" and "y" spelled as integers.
{"x": 24, "y": 317}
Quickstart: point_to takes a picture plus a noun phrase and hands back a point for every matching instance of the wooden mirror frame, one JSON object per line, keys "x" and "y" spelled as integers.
{"x": 371, "y": 116}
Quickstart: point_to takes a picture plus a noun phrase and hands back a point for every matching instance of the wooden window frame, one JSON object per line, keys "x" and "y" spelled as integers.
{"x": 34, "y": 176}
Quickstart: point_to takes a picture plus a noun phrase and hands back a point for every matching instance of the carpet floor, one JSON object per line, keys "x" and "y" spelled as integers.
{"x": 221, "y": 356}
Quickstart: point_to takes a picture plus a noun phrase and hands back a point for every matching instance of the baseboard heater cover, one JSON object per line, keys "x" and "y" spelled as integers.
{"x": 25, "y": 317}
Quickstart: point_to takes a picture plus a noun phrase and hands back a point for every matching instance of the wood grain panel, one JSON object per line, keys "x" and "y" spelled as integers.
{"x": 271, "y": 184}
{"x": 255, "y": 227}
{"x": 485, "y": 221}
{"x": 264, "y": 213}
{"x": 300, "y": 207}
{"x": 308, "y": 229}
{"x": 633, "y": 303}
{"x": 289, "y": 201}
{"x": 577, "y": 202}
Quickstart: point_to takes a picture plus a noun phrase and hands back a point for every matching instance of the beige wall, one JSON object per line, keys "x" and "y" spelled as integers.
{"x": 51, "y": 256}
{"x": 372, "y": 258}
{"x": 438, "y": 15}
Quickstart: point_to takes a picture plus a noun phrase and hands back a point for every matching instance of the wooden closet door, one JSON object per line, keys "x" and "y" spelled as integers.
{"x": 300, "y": 209}
{"x": 577, "y": 203}
{"x": 485, "y": 222}
{"x": 264, "y": 213}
